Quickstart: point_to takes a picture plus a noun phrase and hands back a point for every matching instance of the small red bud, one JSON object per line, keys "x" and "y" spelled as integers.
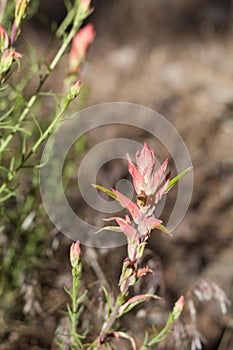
{"x": 178, "y": 308}
{"x": 75, "y": 253}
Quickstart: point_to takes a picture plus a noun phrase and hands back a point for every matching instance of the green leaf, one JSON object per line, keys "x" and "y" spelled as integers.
{"x": 24, "y": 147}
{"x": 110, "y": 228}
{"x": 131, "y": 303}
{"x": 80, "y": 311}
{"x": 69, "y": 311}
{"x": 164, "y": 229}
{"x": 82, "y": 298}
{"x": 68, "y": 292}
{"x": 4, "y": 116}
{"x": 4, "y": 169}
{"x": 108, "y": 299}
{"x": 144, "y": 345}
{"x": 41, "y": 165}
{"x": 37, "y": 124}
{"x": 173, "y": 181}
{"x": 9, "y": 193}
{"x": 106, "y": 190}
{"x": 14, "y": 129}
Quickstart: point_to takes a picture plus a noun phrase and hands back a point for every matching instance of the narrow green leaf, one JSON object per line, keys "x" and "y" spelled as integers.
{"x": 24, "y": 147}
{"x": 82, "y": 298}
{"x": 164, "y": 229}
{"x": 110, "y": 228}
{"x": 78, "y": 342}
{"x": 3, "y": 168}
{"x": 145, "y": 340}
{"x": 68, "y": 292}
{"x": 128, "y": 306}
{"x": 69, "y": 311}
{"x": 37, "y": 124}
{"x": 10, "y": 127}
{"x": 173, "y": 181}
{"x": 7, "y": 196}
{"x": 107, "y": 297}
{"x": 80, "y": 311}
{"x": 106, "y": 190}
{"x": 39, "y": 166}
{"x": 4, "y": 116}
{"x": 12, "y": 163}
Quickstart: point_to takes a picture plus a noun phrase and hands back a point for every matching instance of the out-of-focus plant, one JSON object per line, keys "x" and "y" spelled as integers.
{"x": 23, "y": 129}
{"x": 13, "y": 120}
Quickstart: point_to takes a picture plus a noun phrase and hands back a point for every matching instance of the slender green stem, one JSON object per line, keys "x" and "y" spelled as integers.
{"x": 47, "y": 132}
{"x": 5, "y": 142}
{"x": 74, "y": 308}
{"x": 161, "y": 335}
{"x": 34, "y": 149}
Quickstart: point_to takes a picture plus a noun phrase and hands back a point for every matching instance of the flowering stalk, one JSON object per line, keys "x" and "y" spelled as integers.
{"x": 75, "y": 261}
{"x": 76, "y": 275}
{"x": 150, "y": 186}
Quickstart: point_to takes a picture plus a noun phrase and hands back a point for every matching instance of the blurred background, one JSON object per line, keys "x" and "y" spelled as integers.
{"x": 175, "y": 57}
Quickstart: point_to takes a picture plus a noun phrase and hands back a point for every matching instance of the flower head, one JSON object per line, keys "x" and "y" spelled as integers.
{"x": 80, "y": 44}
{"x": 149, "y": 184}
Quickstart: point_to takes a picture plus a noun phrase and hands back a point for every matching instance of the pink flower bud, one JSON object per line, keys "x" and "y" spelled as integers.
{"x": 143, "y": 271}
{"x": 4, "y": 39}
{"x": 80, "y": 44}
{"x": 178, "y": 308}
{"x": 85, "y": 3}
{"x": 75, "y": 253}
{"x": 84, "y": 9}
{"x": 7, "y": 59}
{"x": 74, "y": 90}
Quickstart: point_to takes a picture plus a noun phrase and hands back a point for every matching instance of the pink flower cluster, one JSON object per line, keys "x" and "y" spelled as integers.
{"x": 150, "y": 186}
{"x": 8, "y": 53}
